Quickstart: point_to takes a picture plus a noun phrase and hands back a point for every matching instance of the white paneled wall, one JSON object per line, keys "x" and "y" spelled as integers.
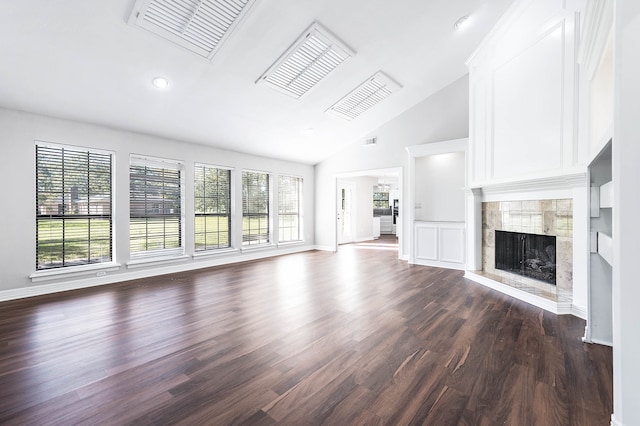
{"x": 523, "y": 94}
{"x": 440, "y": 244}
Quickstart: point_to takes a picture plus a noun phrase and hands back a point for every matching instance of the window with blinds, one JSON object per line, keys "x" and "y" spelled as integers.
{"x": 380, "y": 200}
{"x": 73, "y": 206}
{"x": 155, "y": 207}
{"x": 212, "y": 202}
{"x": 255, "y": 208}
{"x": 289, "y": 209}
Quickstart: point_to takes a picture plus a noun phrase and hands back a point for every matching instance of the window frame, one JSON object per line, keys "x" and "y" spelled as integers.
{"x": 228, "y": 215}
{"x": 298, "y": 213}
{"x": 247, "y": 242}
{"x": 148, "y": 162}
{"x": 75, "y": 265}
{"x": 380, "y": 199}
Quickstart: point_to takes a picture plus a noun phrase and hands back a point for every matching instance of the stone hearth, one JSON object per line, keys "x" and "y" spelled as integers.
{"x": 543, "y": 217}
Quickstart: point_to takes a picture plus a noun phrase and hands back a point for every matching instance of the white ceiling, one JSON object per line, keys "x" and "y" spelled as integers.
{"x": 79, "y": 59}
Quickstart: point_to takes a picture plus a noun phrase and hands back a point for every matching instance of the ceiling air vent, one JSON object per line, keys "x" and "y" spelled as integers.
{"x": 312, "y": 57}
{"x": 200, "y": 26}
{"x": 369, "y": 93}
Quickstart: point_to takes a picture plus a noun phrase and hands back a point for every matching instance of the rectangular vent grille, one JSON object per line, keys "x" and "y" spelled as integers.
{"x": 368, "y": 94}
{"x": 310, "y": 59}
{"x": 200, "y": 26}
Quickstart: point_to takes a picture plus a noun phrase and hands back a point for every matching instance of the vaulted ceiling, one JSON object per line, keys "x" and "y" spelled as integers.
{"x": 82, "y": 60}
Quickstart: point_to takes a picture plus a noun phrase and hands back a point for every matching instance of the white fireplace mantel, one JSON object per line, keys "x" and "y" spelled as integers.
{"x": 545, "y": 183}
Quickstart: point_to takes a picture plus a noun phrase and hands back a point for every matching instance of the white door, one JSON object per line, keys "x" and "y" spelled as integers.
{"x": 345, "y": 216}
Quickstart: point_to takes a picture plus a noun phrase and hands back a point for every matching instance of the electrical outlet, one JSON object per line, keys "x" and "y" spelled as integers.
{"x": 101, "y": 274}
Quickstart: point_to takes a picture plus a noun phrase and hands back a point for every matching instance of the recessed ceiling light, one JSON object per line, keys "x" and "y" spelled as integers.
{"x": 460, "y": 23}
{"x": 160, "y": 82}
{"x": 308, "y": 131}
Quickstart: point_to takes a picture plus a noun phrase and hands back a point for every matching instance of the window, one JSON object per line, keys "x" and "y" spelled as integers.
{"x": 73, "y": 206}
{"x": 212, "y": 197}
{"x": 380, "y": 200}
{"x": 289, "y": 206}
{"x": 155, "y": 209}
{"x": 255, "y": 208}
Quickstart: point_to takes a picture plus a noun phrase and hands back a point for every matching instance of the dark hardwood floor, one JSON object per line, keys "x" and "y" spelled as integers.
{"x": 356, "y": 337}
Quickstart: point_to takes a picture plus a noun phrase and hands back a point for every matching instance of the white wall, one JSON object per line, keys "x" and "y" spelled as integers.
{"x": 626, "y": 211}
{"x": 601, "y": 102}
{"x": 19, "y": 130}
{"x": 439, "y": 183}
{"x": 442, "y": 116}
{"x": 364, "y": 207}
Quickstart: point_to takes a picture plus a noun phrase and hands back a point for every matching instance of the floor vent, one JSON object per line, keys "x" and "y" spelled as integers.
{"x": 200, "y": 26}
{"x": 310, "y": 58}
{"x": 368, "y": 94}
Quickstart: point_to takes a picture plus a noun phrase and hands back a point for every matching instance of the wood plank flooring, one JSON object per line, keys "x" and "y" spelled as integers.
{"x": 356, "y": 337}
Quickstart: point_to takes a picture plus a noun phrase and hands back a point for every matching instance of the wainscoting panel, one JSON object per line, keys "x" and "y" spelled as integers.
{"x": 440, "y": 244}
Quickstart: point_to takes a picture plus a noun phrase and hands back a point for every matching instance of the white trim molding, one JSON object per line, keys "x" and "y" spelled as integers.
{"x": 572, "y": 179}
{"x": 598, "y": 22}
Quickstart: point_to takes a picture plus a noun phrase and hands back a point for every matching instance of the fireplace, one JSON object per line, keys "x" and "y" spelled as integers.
{"x": 530, "y": 255}
{"x": 542, "y": 218}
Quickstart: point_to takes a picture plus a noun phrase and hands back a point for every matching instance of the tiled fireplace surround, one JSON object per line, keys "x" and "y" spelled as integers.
{"x": 543, "y": 217}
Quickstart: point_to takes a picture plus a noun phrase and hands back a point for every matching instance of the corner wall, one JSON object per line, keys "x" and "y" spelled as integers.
{"x": 626, "y": 211}
{"x": 442, "y": 116}
{"x": 19, "y": 130}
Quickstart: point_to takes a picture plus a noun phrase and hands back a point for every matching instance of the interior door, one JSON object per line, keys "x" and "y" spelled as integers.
{"x": 345, "y": 216}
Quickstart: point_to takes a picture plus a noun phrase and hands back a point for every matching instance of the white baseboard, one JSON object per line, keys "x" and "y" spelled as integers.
{"x": 132, "y": 274}
{"x": 602, "y": 342}
{"x": 579, "y": 311}
{"x": 440, "y": 264}
{"x": 325, "y": 248}
{"x": 615, "y": 422}
{"x": 361, "y": 240}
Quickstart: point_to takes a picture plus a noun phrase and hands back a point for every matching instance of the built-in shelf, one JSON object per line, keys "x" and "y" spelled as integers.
{"x": 605, "y": 247}
{"x": 606, "y": 195}
{"x": 601, "y": 198}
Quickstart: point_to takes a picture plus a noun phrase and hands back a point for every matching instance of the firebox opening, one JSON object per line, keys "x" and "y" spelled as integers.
{"x": 530, "y": 255}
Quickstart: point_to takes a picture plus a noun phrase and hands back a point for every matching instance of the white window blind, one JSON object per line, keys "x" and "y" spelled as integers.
{"x": 255, "y": 208}
{"x": 73, "y": 206}
{"x": 289, "y": 209}
{"x": 212, "y": 199}
{"x": 155, "y": 209}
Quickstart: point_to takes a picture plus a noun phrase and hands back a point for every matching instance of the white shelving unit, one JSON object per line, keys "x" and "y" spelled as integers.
{"x": 600, "y": 317}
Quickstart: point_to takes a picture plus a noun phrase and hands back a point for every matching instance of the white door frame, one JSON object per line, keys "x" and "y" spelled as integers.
{"x": 351, "y": 187}
{"x": 400, "y": 228}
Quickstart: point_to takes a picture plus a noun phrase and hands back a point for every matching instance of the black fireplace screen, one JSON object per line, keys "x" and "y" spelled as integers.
{"x": 530, "y": 255}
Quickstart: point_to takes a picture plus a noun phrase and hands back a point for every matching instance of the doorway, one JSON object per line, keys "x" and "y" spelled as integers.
{"x": 345, "y": 214}
{"x": 357, "y": 219}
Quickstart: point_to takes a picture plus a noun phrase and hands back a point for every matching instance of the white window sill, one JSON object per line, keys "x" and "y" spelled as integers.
{"x": 291, "y": 243}
{"x": 100, "y": 269}
{"x": 215, "y": 253}
{"x": 142, "y": 262}
{"x": 258, "y": 247}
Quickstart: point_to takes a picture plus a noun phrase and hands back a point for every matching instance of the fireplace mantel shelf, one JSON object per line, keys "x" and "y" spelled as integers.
{"x": 575, "y": 179}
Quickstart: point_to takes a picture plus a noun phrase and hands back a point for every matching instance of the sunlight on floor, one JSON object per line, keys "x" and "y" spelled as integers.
{"x": 384, "y": 243}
